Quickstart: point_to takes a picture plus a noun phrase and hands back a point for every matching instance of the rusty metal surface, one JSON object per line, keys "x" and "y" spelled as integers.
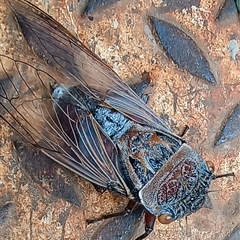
{"x": 122, "y": 36}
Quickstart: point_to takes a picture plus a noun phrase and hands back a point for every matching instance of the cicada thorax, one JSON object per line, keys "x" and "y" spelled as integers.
{"x": 167, "y": 176}
{"x": 143, "y": 153}
{"x": 181, "y": 185}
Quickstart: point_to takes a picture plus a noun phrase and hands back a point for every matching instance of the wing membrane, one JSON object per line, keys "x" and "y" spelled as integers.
{"x": 69, "y": 137}
{"x": 53, "y": 43}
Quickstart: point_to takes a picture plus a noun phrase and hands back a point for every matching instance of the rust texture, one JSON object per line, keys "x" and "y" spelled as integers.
{"x": 122, "y": 36}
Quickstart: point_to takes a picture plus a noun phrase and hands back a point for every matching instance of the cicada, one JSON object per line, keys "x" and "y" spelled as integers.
{"x": 77, "y": 110}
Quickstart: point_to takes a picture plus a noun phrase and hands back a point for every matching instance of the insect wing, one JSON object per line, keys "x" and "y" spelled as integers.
{"x": 72, "y": 139}
{"x": 24, "y": 94}
{"x": 54, "y": 44}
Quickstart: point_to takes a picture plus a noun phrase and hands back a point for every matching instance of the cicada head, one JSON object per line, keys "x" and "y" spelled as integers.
{"x": 179, "y": 188}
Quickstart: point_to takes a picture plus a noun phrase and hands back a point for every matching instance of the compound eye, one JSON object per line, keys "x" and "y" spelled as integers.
{"x": 210, "y": 166}
{"x": 165, "y": 218}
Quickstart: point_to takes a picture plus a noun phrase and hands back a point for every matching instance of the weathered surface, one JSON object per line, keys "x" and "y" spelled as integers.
{"x": 171, "y": 5}
{"x": 93, "y": 5}
{"x": 228, "y": 10}
{"x": 231, "y": 128}
{"x": 235, "y": 235}
{"x": 123, "y": 37}
{"x": 182, "y": 49}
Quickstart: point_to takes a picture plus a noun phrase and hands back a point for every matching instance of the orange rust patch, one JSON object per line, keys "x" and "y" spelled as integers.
{"x": 156, "y": 139}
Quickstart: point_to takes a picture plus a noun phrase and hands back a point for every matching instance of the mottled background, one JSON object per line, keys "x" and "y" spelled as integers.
{"x": 37, "y": 204}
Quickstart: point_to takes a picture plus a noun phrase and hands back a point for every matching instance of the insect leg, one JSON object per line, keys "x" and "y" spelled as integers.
{"x": 144, "y": 88}
{"x": 149, "y": 224}
{"x": 186, "y": 128}
{"x": 100, "y": 190}
{"x": 127, "y": 210}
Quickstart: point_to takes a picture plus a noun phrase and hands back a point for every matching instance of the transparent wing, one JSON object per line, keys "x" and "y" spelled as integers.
{"x": 69, "y": 136}
{"x": 54, "y": 44}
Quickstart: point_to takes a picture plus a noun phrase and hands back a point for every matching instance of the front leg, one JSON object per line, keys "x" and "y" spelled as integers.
{"x": 149, "y": 225}
{"x": 149, "y": 219}
{"x": 127, "y": 210}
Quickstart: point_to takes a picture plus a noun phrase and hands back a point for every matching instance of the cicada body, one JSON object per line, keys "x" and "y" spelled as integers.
{"x": 78, "y": 112}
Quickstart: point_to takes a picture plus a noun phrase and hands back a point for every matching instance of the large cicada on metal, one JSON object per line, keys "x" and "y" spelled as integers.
{"x": 76, "y": 110}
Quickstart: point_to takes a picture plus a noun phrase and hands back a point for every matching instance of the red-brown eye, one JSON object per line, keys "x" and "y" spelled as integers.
{"x": 211, "y": 166}
{"x": 165, "y": 218}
